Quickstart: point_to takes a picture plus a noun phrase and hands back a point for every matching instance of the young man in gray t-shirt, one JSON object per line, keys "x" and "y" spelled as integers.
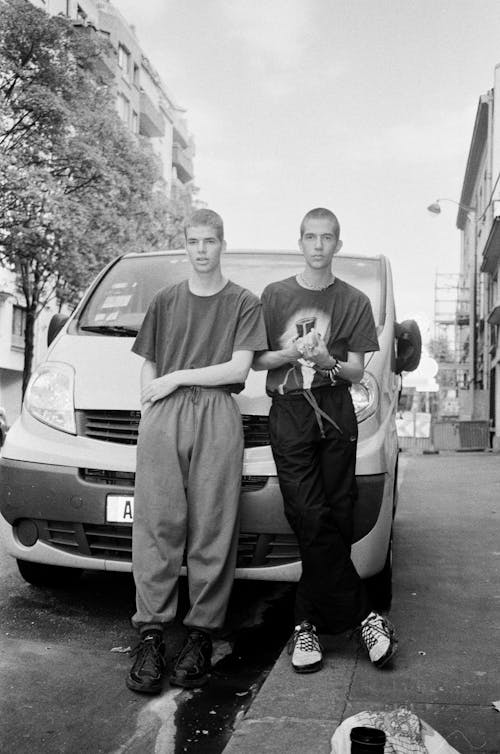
{"x": 197, "y": 340}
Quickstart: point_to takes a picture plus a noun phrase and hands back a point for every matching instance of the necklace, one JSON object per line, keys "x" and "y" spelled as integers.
{"x": 306, "y": 284}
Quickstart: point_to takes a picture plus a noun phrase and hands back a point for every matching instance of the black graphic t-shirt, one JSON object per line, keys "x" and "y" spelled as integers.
{"x": 341, "y": 314}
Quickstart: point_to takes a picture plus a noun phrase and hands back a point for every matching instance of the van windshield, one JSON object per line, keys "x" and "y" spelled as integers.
{"x": 119, "y": 302}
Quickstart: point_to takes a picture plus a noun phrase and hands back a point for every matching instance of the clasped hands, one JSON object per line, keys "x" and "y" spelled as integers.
{"x": 310, "y": 350}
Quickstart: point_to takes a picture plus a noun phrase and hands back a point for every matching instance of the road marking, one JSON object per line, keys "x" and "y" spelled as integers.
{"x": 158, "y": 713}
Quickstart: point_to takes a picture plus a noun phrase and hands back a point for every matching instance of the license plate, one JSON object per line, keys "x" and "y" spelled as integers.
{"x": 120, "y": 509}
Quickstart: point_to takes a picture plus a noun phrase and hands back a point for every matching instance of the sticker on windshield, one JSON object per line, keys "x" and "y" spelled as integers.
{"x": 116, "y": 302}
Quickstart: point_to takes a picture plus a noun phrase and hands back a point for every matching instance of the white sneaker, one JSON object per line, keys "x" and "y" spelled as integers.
{"x": 305, "y": 649}
{"x": 379, "y": 638}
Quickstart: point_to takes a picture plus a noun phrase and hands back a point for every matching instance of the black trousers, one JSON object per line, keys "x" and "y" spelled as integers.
{"x": 317, "y": 480}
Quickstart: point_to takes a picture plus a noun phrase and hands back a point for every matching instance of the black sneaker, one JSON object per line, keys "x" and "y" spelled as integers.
{"x": 147, "y": 671}
{"x": 193, "y": 664}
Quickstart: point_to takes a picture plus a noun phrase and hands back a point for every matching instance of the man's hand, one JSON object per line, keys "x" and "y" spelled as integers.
{"x": 159, "y": 388}
{"x": 289, "y": 354}
{"x": 292, "y": 350}
{"x": 313, "y": 348}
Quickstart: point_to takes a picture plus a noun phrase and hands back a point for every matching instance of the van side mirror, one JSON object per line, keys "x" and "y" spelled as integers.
{"x": 55, "y": 325}
{"x": 408, "y": 346}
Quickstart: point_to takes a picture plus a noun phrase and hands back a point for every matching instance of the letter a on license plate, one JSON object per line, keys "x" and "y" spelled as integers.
{"x": 120, "y": 509}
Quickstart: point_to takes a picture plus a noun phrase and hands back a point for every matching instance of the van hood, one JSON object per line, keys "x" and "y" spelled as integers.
{"x": 107, "y": 375}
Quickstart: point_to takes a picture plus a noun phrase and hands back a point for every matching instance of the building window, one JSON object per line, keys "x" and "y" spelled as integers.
{"x": 136, "y": 76}
{"x": 135, "y": 122}
{"x": 123, "y": 108}
{"x": 18, "y": 326}
{"x": 124, "y": 60}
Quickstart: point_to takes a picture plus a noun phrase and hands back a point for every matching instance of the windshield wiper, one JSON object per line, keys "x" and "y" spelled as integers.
{"x": 119, "y": 330}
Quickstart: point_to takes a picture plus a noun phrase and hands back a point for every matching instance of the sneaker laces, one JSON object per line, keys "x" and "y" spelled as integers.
{"x": 372, "y": 629}
{"x": 375, "y": 627}
{"x": 306, "y": 638}
{"x": 149, "y": 654}
{"x": 194, "y": 643}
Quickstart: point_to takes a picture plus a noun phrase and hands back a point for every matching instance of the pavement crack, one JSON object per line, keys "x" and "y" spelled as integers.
{"x": 347, "y": 698}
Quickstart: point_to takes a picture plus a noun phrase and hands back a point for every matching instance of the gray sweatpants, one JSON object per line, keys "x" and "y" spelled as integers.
{"x": 189, "y": 463}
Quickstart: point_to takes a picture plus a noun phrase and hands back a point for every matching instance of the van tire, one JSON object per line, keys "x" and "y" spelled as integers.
{"x": 41, "y": 574}
{"x": 379, "y": 587}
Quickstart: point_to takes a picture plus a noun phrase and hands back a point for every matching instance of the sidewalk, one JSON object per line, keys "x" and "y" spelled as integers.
{"x": 445, "y": 608}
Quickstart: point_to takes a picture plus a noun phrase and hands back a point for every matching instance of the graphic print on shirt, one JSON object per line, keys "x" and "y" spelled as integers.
{"x": 302, "y": 322}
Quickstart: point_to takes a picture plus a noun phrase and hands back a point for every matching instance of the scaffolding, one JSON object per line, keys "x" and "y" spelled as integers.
{"x": 451, "y": 338}
{"x": 451, "y": 316}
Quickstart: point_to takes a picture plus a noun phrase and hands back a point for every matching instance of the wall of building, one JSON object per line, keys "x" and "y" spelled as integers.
{"x": 12, "y": 343}
{"x": 481, "y": 189}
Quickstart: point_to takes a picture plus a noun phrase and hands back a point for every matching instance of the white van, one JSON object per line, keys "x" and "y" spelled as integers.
{"x": 68, "y": 463}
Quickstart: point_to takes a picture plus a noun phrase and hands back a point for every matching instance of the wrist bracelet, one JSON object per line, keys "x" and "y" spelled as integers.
{"x": 332, "y": 372}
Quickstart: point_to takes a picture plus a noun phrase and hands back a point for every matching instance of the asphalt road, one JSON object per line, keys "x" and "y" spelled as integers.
{"x": 63, "y": 665}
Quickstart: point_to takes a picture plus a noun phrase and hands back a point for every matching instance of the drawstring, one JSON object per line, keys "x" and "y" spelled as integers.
{"x": 195, "y": 393}
{"x": 319, "y": 413}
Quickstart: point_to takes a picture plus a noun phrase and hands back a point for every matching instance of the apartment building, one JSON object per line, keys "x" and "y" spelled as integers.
{"x": 148, "y": 108}
{"x": 479, "y": 222}
{"x": 143, "y": 100}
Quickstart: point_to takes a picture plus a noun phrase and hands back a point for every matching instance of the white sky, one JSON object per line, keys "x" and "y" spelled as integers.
{"x": 363, "y": 106}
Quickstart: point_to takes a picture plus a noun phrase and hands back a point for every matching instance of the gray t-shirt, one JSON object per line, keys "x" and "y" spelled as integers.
{"x": 184, "y": 331}
{"x": 341, "y": 313}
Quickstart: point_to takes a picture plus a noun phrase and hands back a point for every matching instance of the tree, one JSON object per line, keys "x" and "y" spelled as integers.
{"x": 441, "y": 349}
{"x": 76, "y": 187}
{"x": 180, "y": 205}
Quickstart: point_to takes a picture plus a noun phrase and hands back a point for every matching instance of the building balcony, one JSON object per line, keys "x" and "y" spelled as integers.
{"x": 181, "y": 134}
{"x": 491, "y": 252}
{"x": 151, "y": 121}
{"x": 494, "y": 316}
{"x": 182, "y": 163}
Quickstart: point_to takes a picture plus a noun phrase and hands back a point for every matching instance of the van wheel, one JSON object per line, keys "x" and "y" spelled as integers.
{"x": 41, "y": 574}
{"x": 379, "y": 587}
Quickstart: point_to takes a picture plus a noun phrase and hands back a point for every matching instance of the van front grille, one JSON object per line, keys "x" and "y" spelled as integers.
{"x": 251, "y": 483}
{"x": 114, "y": 542}
{"x": 105, "y": 476}
{"x": 255, "y": 430}
{"x": 109, "y": 426}
{"x": 122, "y": 427}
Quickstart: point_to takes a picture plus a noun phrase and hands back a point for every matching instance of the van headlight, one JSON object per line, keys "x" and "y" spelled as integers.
{"x": 365, "y": 396}
{"x": 49, "y": 396}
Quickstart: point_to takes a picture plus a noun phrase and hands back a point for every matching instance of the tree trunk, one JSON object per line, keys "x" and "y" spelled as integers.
{"x": 29, "y": 341}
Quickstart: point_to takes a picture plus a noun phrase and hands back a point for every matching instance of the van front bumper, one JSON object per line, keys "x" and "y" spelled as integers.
{"x": 56, "y": 515}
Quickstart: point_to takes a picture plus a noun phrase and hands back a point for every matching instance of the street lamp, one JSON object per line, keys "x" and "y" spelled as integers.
{"x": 435, "y": 209}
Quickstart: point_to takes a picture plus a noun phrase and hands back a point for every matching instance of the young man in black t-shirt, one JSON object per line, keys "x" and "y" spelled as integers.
{"x": 197, "y": 340}
{"x": 319, "y": 329}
